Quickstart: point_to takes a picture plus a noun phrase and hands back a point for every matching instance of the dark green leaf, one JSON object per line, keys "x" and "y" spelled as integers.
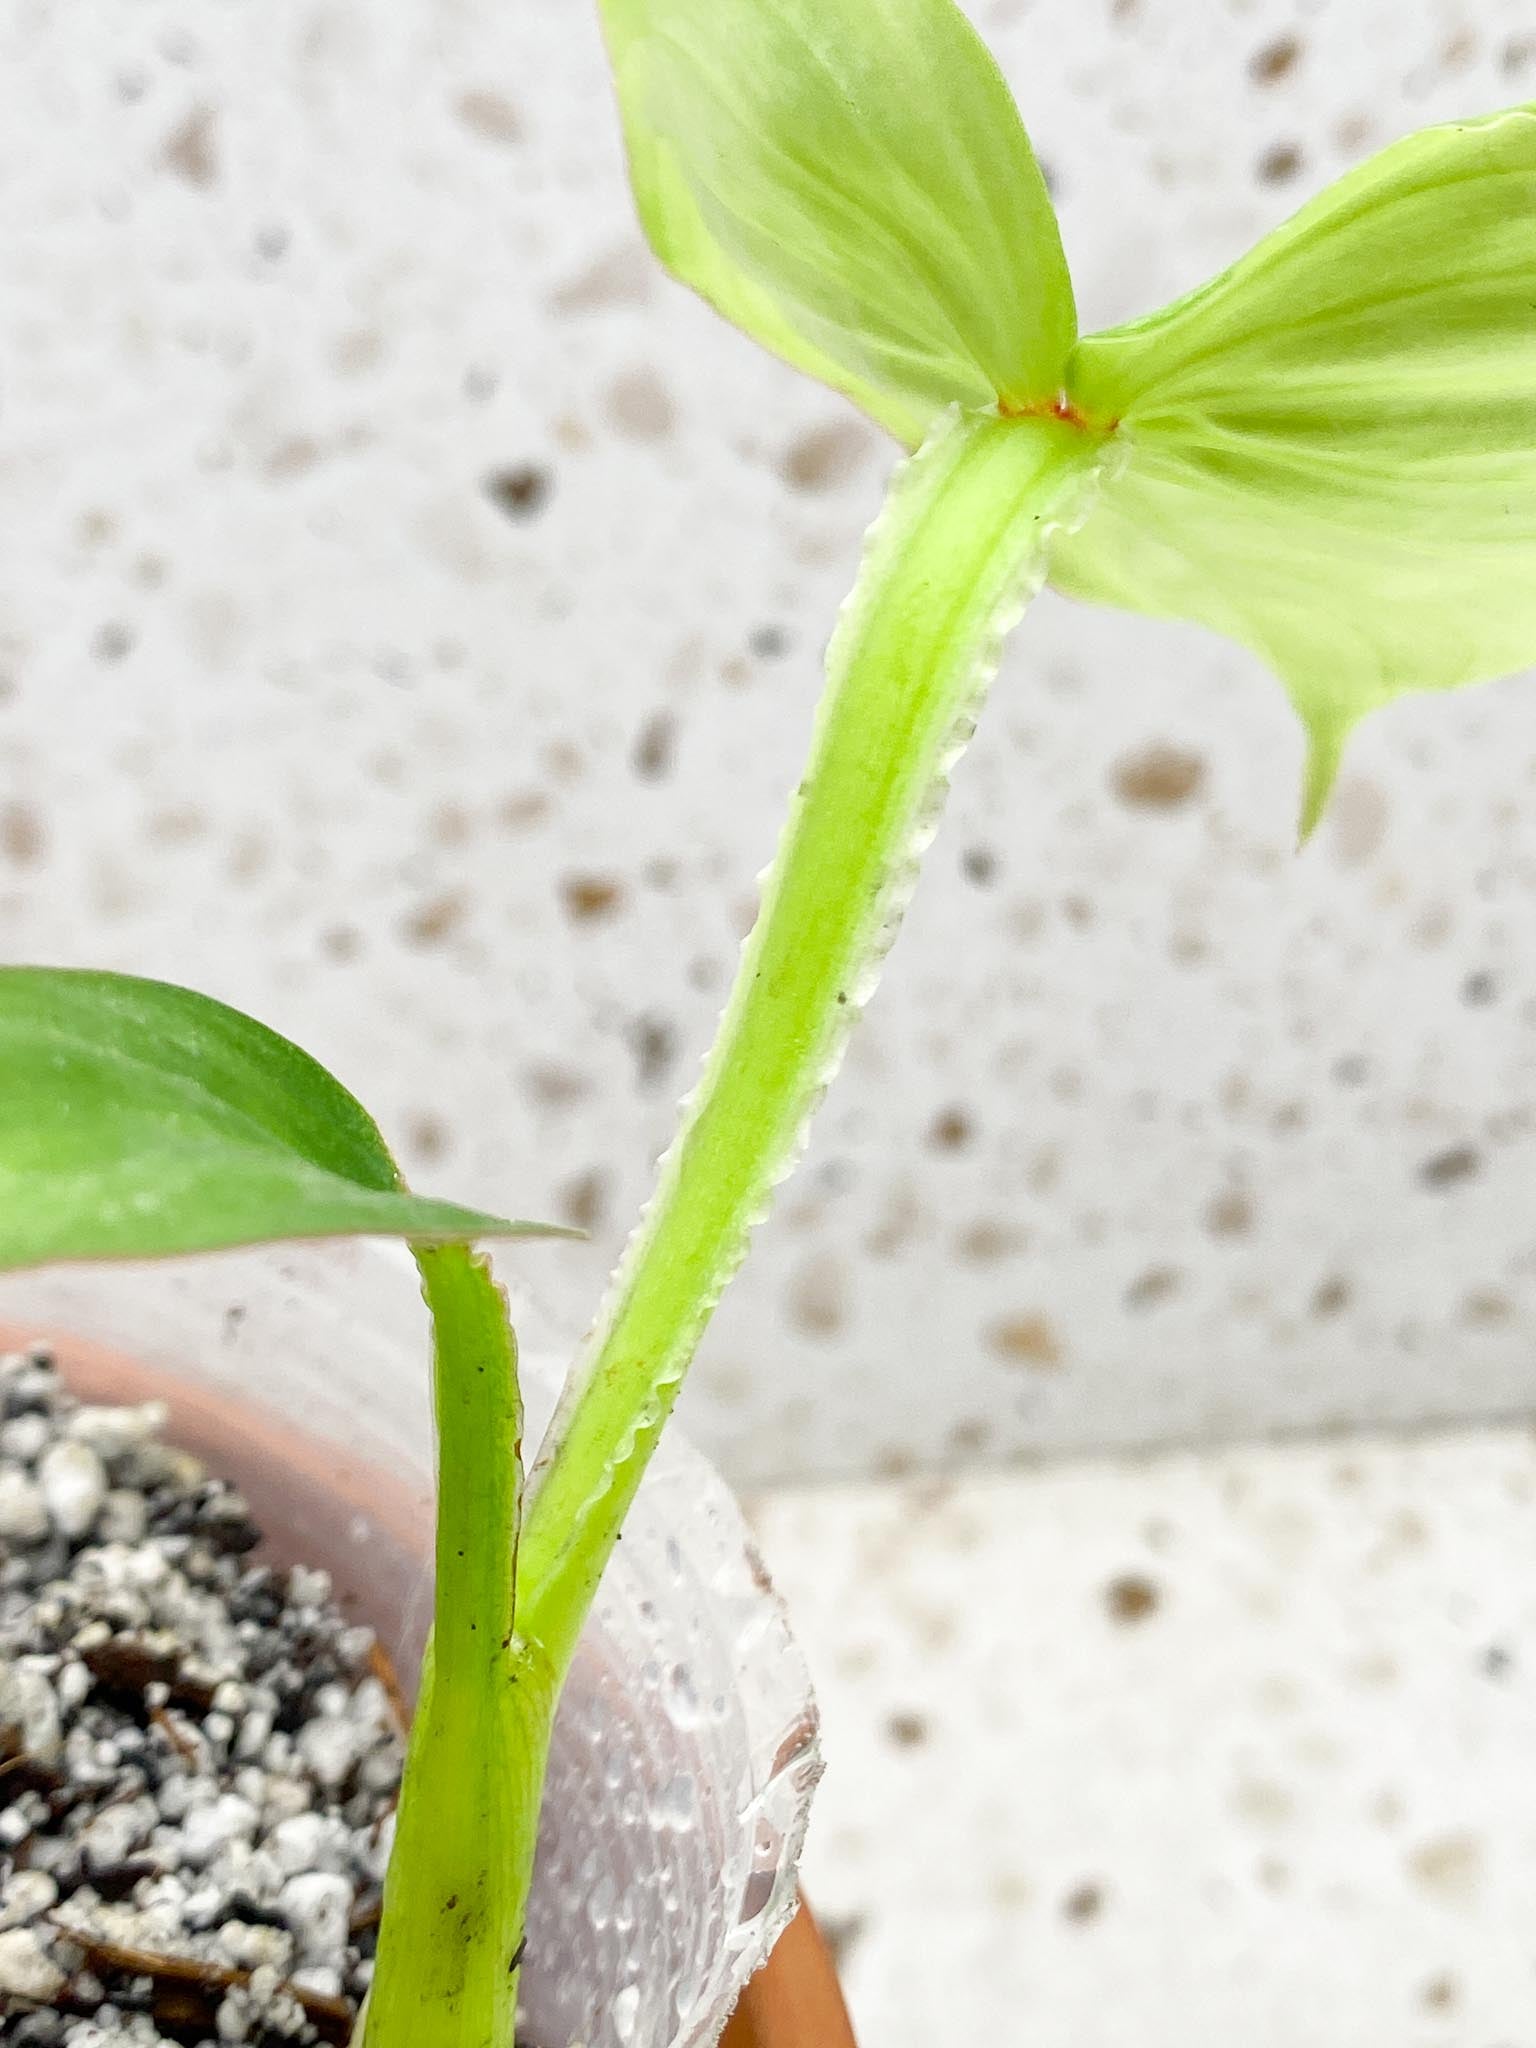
{"x": 139, "y": 1120}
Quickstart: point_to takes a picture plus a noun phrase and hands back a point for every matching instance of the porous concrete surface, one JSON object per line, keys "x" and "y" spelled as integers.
{"x": 411, "y": 608}
{"x": 1227, "y": 1748}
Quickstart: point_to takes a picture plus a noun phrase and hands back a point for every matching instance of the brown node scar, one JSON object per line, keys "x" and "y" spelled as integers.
{"x": 1060, "y": 407}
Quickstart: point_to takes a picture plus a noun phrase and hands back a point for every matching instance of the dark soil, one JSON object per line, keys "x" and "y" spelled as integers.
{"x": 199, "y": 1754}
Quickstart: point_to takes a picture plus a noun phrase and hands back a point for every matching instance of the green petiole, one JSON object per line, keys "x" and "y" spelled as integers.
{"x": 959, "y": 548}
{"x": 469, "y": 1805}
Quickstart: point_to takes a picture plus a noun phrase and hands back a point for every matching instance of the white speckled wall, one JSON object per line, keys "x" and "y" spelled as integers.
{"x": 410, "y": 610}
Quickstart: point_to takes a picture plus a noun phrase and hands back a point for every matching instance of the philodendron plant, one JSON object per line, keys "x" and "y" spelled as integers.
{"x": 1328, "y": 453}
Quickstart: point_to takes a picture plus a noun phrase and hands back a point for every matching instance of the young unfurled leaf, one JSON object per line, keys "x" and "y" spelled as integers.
{"x": 849, "y": 182}
{"x": 1332, "y": 447}
{"x": 139, "y": 1120}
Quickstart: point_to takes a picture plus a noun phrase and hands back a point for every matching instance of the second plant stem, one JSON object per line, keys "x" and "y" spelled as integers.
{"x": 958, "y": 550}
{"x": 458, "y": 1879}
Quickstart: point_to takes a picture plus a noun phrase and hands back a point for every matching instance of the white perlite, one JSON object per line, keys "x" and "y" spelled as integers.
{"x": 23, "y": 1511}
{"x": 26, "y": 1969}
{"x": 200, "y": 1763}
{"x": 74, "y": 1484}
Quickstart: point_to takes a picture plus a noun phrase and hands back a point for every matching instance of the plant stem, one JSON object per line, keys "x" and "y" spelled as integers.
{"x": 948, "y": 567}
{"x": 459, "y": 1874}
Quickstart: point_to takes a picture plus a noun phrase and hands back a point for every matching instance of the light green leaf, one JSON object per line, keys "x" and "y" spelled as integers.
{"x": 1332, "y": 447}
{"x": 849, "y": 182}
{"x": 139, "y": 1120}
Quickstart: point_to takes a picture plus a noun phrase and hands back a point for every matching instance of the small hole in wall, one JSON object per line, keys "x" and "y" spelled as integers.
{"x": 1083, "y": 1903}
{"x": 836, "y": 1176}
{"x": 1458, "y": 50}
{"x": 979, "y": 865}
{"x": 1158, "y": 777}
{"x": 23, "y": 840}
{"x": 639, "y": 405}
{"x": 1132, "y": 1598}
{"x": 176, "y": 825}
{"x": 555, "y": 1087}
{"x": 1479, "y": 989}
{"x": 564, "y": 760}
{"x": 1357, "y": 819}
{"x": 590, "y": 898}
{"x": 655, "y": 748}
{"x": 984, "y": 1242}
{"x": 1449, "y": 1867}
{"x": 435, "y": 921}
{"x": 1276, "y": 60}
{"x": 248, "y": 858}
{"x": 521, "y": 491}
{"x": 450, "y": 824}
{"x": 824, "y": 457}
{"x": 818, "y": 1297}
{"x": 191, "y": 151}
{"x": 113, "y": 641}
{"x": 768, "y": 643}
{"x": 528, "y": 807}
{"x": 950, "y": 1130}
{"x": 358, "y": 350}
{"x": 654, "y": 1045}
{"x": 583, "y": 1200}
{"x": 1158, "y": 1284}
{"x": 842, "y": 1932}
{"x": 490, "y": 115}
{"x": 970, "y": 1435}
{"x": 1279, "y": 164}
{"x": 97, "y": 527}
{"x": 341, "y": 943}
{"x": 427, "y": 1137}
{"x": 906, "y": 1729}
{"x": 1440, "y": 1993}
{"x": 893, "y": 1463}
{"x": 1027, "y": 1340}
{"x": 1331, "y": 1297}
{"x": 1486, "y": 1308}
{"x": 1449, "y": 1168}
{"x": 1230, "y": 1213}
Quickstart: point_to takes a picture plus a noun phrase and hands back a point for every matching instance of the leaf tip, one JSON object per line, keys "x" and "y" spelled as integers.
{"x": 1326, "y": 733}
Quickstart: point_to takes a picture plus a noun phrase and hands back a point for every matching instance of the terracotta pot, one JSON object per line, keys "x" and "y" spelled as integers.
{"x": 794, "y": 2000}
{"x": 322, "y": 1506}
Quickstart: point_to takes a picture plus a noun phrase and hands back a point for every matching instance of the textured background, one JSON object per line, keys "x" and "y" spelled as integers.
{"x": 410, "y": 615}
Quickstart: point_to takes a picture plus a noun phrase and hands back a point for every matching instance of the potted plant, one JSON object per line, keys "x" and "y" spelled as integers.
{"x": 1328, "y": 452}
